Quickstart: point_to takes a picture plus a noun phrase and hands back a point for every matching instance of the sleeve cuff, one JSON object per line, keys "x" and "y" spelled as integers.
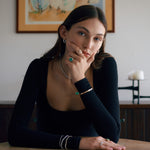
{"x": 73, "y": 142}
{"x": 82, "y": 85}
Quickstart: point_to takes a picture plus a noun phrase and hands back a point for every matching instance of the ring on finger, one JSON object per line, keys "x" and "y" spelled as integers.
{"x": 80, "y": 51}
{"x": 107, "y": 139}
{"x": 101, "y": 143}
{"x": 70, "y": 59}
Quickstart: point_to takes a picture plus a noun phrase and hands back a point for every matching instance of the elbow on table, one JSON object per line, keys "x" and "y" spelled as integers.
{"x": 113, "y": 133}
{"x": 116, "y": 135}
{"x": 14, "y": 136}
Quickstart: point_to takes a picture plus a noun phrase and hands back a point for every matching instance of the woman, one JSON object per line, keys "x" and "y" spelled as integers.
{"x": 75, "y": 88}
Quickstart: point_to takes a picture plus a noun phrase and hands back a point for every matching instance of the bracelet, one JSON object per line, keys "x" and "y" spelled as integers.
{"x": 86, "y": 91}
{"x": 60, "y": 141}
{"x": 66, "y": 142}
{"x": 63, "y": 141}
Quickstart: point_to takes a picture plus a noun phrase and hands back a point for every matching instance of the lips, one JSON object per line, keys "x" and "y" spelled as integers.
{"x": 86, "y": 54}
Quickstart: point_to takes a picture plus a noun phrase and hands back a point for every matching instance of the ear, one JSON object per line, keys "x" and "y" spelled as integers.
{"x": 63, "y": 32}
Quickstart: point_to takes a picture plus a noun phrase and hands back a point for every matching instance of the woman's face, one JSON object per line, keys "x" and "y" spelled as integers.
{"x": 88, "y": 35}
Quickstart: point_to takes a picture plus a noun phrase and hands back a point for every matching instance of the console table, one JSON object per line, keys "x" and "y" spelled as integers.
{"x": 135, "y": 122}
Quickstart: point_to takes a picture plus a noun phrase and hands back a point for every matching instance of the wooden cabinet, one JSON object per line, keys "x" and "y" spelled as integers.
{"x": 5, "y": 116}
{"x": 6, "y": 111}
{"x": 135, "y": 122}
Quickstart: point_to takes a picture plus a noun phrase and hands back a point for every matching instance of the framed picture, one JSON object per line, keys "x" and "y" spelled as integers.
{"x": 45, "y": 16}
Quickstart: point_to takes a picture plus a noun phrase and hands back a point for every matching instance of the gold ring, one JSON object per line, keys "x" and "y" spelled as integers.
{"x": 80, "y": 51}
{"x": 101, "y": 143}
{"x": 107, "y": 139}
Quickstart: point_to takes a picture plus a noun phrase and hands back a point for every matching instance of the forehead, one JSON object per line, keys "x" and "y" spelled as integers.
{"x": 94, "y": 26}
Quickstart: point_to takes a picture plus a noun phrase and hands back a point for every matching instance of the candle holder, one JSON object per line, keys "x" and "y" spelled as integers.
{"x": 134, "y": 88}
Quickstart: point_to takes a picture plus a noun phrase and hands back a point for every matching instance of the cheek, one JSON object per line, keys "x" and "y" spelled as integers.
{"x": 76, "y": 40}
{"x": 72, "y": 37}
{"x": 97, "y": 47}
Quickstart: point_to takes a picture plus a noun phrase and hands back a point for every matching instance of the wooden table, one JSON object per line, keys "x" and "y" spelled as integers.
{"x": 130, "y": 145}
{"x": 134, "y": 144}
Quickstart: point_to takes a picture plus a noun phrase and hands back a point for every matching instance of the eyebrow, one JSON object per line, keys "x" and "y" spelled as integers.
{"x": 81, "y": 27}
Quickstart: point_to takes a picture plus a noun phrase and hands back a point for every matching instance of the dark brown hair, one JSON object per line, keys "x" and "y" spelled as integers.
{"x": 77, "y": 15}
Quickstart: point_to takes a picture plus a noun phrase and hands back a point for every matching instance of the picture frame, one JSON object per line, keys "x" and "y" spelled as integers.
{"x": 29, "y": 15}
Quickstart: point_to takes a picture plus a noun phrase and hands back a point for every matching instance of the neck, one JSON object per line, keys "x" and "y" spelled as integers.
{"x": 64, "y": 69}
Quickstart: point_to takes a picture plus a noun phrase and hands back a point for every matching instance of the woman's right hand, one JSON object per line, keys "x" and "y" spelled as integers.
{"x": 80, "y": 64}
{"x": 99, "y": 143}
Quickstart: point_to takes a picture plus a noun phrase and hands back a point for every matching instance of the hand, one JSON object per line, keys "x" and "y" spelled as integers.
{"x": 99, "y": 143}
{"x": 80, "y": 63}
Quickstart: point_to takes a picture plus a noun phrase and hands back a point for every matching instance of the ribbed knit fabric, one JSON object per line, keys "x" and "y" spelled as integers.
{"x": 99, "y": 118}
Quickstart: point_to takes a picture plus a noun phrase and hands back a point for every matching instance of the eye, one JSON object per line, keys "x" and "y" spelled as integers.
{"x": 98, "y": 39}
{"x": 81, "y": 33}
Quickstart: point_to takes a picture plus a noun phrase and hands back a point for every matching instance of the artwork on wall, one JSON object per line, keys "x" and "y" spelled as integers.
{"x": 46, "y": 15}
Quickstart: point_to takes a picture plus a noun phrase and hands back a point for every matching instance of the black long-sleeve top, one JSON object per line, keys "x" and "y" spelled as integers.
{"x": 101, "y": 116}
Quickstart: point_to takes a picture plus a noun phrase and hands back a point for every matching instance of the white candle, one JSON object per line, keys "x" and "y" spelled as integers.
{"x": 130, "y": 75}
{"x": 136, "y": 75}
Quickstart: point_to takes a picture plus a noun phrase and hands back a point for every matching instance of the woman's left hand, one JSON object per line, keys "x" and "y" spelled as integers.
{"x": 79, "y": 64}
{"x": 99, "y": 143}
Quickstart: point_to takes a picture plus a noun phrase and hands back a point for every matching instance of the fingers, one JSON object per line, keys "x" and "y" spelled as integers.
{"x": 74, "y": 52}
{"x": 99, "y": 143}
{"x": 74, "y": 48}
{"x": 75, "y": 57}
{"x": 109, "y": 145}
{"x": 91, "y": 59}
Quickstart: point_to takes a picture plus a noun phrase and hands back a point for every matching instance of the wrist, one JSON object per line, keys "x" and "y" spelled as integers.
{"x": 76, "y": 79}
{"x": 82, "y": 85}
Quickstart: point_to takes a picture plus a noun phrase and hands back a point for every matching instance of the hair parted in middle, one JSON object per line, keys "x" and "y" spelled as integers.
{"x": 77, "y": 15}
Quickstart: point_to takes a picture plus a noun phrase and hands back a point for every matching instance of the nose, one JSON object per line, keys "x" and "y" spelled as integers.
{"x": 88, "y": 43}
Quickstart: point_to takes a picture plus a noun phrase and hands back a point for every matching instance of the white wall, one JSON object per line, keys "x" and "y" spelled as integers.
{"x": 129, "y": 45}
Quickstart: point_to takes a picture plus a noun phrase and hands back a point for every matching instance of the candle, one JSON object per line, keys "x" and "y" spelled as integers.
{"x": 136, "y": 75}
{"x": 130, "y": 75}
